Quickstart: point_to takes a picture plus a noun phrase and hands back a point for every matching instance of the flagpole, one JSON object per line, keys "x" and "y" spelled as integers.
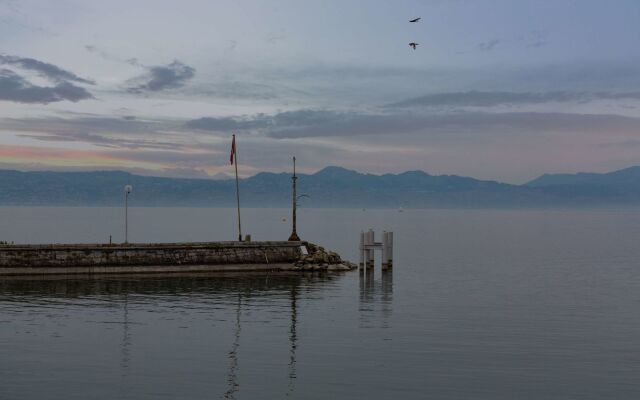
{"x": 235, "y": 156}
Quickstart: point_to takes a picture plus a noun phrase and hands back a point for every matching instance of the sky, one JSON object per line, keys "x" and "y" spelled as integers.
{"x": 504, "y": 90}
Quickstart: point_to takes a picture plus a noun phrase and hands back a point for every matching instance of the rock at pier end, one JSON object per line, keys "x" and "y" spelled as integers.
{"x": 319, "y": 259}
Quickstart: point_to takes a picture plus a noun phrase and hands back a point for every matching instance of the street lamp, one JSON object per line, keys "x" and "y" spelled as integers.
{"x": 294, "y": 235}
{"x": 127, "y": 190}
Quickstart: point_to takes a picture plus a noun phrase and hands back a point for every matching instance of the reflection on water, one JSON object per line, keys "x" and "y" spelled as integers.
{"x": 126, "y": 335}
{"x": 233, "y": 356}
{"x": 480, "y": 305}
{"x": 249, "y": 284}
{"x": 101, "y": 299}
{"x": 126, "y": 344}
{"x": 376, "y": 293}
{"x": 293, "y": 339}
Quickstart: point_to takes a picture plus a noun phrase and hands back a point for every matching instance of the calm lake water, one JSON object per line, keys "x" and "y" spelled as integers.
{"x": 480, "y": 305}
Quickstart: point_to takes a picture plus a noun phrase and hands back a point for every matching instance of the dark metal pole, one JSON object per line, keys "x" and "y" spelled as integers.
{"x": 294, "y": 235}
{"x": 235, "y": 156}
{"x": 127, "y": 191}
{"x": 126, "y": 216}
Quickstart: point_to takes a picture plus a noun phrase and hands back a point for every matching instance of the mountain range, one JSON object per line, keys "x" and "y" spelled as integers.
{"x": 330, "y": 187}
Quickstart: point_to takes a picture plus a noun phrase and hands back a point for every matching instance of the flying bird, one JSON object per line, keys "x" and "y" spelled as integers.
{"x": 412, "y": 44}
{"x": 415, "y": 19}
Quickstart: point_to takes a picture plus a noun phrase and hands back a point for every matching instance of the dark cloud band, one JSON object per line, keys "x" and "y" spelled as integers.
{"x": 497, "y": 98}
{"x": 44, "y": 69}
{"x": 165, "y": 77}
{"x": 325, "y": 123}
{"x": 14, "y": 87}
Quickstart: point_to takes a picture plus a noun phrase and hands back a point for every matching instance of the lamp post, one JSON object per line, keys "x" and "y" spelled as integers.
{"x": 294, "y": 235}
{"x": 127, "y": 190}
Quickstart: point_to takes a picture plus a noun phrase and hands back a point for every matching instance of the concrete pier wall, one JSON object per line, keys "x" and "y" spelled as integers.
{"x": 167, "y": 257}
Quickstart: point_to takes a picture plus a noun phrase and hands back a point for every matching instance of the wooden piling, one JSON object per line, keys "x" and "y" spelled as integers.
{"x": 370, "y": 251}
{"x": 383, "y": 247}
{"x": 389, "y": 252}
{"x": 362, "y": 249}
{"x": 368, "y": 245}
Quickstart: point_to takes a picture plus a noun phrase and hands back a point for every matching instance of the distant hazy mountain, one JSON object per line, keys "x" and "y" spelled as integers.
{"x": 617, "y": 187}
{"x": 330, "y": 187}
{"x": 624, "y": 177}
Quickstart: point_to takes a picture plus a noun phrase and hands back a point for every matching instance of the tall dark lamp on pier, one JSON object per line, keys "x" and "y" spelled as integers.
{"x": 127, "y": 191}
{"x": 294, "y": 235}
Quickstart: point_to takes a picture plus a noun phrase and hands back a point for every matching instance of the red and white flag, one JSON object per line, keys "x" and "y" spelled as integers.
{"x": 233, "y": 149}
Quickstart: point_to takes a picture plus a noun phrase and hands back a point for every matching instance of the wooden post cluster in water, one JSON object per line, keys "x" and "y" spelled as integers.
{"x": 368, "y": 245}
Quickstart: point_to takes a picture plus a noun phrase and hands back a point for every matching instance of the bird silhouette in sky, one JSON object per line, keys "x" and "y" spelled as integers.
{"x": 413, "y": 44}
{"x": 415, "y": 19}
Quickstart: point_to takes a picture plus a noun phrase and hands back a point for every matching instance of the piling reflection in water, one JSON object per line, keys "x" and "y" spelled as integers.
{"x": 376, "y": 293}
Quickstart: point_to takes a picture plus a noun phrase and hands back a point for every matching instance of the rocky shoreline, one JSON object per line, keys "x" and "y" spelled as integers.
{"x": 320, "y": 259}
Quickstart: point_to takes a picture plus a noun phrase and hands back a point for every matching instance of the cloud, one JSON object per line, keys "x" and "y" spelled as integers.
{"x": 96, "y": 50}
{"x": 537, "y": 43}
{"x": 226, "y": 124}
{"x": 536, "y": 39}
{"x": 449, "y": 142}
{"x": 87, "y": 123}
{"x": 112, "y": 132}
{"x": 457, "y": 123}
{"x": 103, "y": 141}
{"x": 110, "y": 57}
{"x": 369, "y": 80}
{"x": 44, "y": 69}
{"x": 14, "y": 87}
{"x": 327, "y": 123}
{"x": 622, "y": 144}
{"x": 490, "y": 99}
{"x": 275, "y": 37}
{"x": 317, "y": 123}
{"x": 232, "y": 45}
{"x": 104, "y": 159}
{"x": 488, "y": 46}
{"x": 242, "y": 90}
{"x": 160, "y": 78}
{"x": 320, "y": 121}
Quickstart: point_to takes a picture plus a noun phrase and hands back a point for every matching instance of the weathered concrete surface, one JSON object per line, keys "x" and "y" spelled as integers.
{"x": 144, "y": 257}
{"x": 164, "y": 257}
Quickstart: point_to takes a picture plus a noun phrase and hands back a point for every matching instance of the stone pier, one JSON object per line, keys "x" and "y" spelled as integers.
{"x": 163, "y": 257}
